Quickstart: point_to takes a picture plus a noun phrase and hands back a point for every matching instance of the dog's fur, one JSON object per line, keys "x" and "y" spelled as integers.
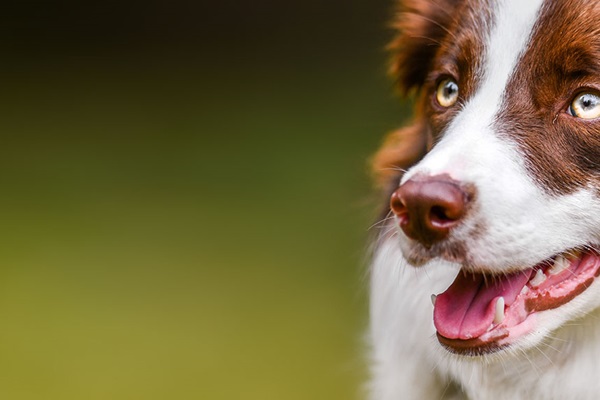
{"x": 536, "y": 170}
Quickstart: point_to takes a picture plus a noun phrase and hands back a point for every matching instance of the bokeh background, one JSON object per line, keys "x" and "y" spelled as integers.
{"x": 184, "y": 196}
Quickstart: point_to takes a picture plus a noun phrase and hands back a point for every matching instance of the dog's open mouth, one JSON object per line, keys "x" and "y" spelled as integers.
{"x": 481, "y": 313}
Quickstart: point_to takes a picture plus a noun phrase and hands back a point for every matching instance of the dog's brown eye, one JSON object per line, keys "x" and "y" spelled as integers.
{"x": 585, "y": 106}
{"x": 447, "y": 93}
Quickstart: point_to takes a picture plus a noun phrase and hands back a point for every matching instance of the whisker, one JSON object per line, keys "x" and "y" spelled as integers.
{"x": 393, "y": 168}
{"x": 452, "y": 35}
{"x": 544, "y": 354}
{"x": 381, "y": 222}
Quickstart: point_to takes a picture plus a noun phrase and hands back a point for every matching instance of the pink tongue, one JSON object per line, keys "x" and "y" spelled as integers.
{"x": 466, "y": 309}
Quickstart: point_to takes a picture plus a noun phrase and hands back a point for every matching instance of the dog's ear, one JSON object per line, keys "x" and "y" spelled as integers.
{"x": 400, "y": 150}
{"x": 421, "y": 26}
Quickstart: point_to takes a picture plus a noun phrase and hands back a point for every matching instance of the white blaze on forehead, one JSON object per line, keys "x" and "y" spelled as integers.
{"x": 470, "y": 139}
{"x": 508, "y": 40}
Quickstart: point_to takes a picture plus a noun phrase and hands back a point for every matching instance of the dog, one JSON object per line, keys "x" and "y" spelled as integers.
{"x": 484, "y": 276}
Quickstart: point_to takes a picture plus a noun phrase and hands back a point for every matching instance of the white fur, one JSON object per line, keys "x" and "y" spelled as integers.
{"x": 522, "y": 226}
{"x": 409, "y": 364}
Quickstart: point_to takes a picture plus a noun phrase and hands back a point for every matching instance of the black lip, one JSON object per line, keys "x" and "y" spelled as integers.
{"x": 473, "y": 347}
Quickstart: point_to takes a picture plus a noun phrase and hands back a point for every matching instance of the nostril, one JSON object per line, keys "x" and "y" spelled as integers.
{"x": 400, "y": 209}
{"x": 438, "y": 214}
{"x": 444, "y": 216}
{"x": 397, "y": 205}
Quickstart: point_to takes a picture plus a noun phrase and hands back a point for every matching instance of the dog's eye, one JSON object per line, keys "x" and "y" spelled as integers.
{"x": 447, "y": 93}
{"x": 586, "y": 106}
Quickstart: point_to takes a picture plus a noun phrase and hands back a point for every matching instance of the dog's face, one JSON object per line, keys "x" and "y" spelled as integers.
{"x": 508, "y": 109}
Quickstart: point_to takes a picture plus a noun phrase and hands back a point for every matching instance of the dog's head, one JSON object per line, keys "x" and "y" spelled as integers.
{"x": 505, "y": 162}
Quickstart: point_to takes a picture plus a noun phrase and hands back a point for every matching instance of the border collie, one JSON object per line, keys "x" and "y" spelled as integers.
{"x": 484, "y": 276}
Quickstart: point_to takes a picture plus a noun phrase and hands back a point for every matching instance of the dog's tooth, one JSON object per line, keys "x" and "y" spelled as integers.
{"x": 560, "y": 264}
{"x": 499, "y": 314}
{"x": 525, "y": 290}
{"x": 538, "y": 279}
{"x": 433, "y": 299}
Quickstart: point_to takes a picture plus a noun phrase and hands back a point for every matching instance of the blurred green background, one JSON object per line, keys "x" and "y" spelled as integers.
{"x": 184, "y": 197}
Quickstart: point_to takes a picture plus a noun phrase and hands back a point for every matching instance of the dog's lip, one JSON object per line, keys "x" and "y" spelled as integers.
{"x": 549, "y": 285}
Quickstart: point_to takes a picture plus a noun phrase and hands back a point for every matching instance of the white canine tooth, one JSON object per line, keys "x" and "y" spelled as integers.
{"x": 499, "y": 314}
{"x": 433, "y": 299}
{"x": 538, "y": 279}
{"x": 560, "y": 264}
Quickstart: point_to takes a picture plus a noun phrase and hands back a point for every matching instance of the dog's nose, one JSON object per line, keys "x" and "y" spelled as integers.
{"x": 427, "y": 208}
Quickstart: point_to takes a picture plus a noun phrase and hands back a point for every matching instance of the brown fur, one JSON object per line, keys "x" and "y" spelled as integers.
{"x": 562, "y": 152}
{"x": 400, "y": 150}
{"x": 421, "y": 26}
{"x": 431, "y": 35}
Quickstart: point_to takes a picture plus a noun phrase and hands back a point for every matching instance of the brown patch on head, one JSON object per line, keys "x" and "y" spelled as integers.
{"x": 459, "y": 57}
{"x": 422, "y": 25}
{"x": 436, "y": 39}
{"x": 437, "y": 34}
{"x": 562, "y": 60}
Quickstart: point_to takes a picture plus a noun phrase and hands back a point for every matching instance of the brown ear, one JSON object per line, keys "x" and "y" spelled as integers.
{"x": 421, "y": 25}
{"x": 400, "y": 150}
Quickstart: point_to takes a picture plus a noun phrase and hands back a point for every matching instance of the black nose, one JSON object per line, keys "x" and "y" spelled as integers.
{"x": 428, "y": 208}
